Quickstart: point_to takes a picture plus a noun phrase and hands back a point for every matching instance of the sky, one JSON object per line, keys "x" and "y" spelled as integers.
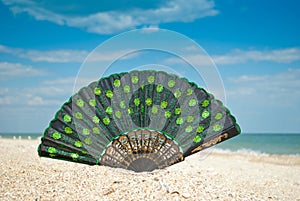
{"x": 255, "y": 46}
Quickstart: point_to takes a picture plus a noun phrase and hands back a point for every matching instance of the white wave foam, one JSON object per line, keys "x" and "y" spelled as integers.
{"x": 242, "y": 151}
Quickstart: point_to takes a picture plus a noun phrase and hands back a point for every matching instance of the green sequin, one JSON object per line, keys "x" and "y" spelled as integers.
{"x": 117, "y": 83}
{"x": 130, "y": 110}
{"x": 96, "y": 120}
{"x": 217, "y": 127}
{"x": 190, "y": 119}
{"x": 85, "y": 131}
{"x": 109, "y": 94}
{"x": 51, "y": 150}
{"x": 78, "y": 115}
{"x": 148, "y": 101}
{"x": 205, "y": 103}
{"x": 68, "y": 130}
{"x": 56, "y": 135}
{"x": 118, "y": 114}
{"x": 178, "y": 110}
{"x": 154, "y": 109}
{"x": 159, "y": 88}
{"x": 67, "y": 118}
{"x": 92, "y": 102}
{"x": 179, "y": 120}
{"x": 122, "y": 104}
{"x": 96, "y": 130}
{"x": 189, "y": 129}
{"x": 168, "y": 114}
{"x": 109, "y": 110}
{"x": 151, "y": 79}
{"x": 218, "y": 116}
{"x": 88, "y": 141}
{"x": 205, "y": 114}
{"x": 200, "y": 129}
{"x": 137, "y": 101}
{"x": 126, "y": 89}
{"x": 78, "y": 144}
{"x": 97, "y": 91}
{"x": 164, "y": 104}
{"x": 134, "y": 79}
{"x": 74, "y": 156}
{"x": 189, "y": 92}
{"x": 197, "y": 139}
{"x": 177, "y": 93}
{"x": 106, "y": 120}
{"x": 171, "y": 83}
{"x": 193, "y": 102}
{"x": 80, "y": 102}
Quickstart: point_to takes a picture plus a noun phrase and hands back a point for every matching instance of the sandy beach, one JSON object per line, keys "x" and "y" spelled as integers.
{"x": 208, "y": 175}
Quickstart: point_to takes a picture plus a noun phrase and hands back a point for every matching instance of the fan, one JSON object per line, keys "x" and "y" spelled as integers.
{"x": 140, "y": 121}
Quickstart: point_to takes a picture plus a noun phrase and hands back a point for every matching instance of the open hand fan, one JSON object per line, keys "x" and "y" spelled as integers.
{"x": 141, "y": 121}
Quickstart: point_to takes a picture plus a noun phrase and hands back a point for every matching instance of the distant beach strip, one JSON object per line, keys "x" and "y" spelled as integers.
{"x": 21, "y": 136}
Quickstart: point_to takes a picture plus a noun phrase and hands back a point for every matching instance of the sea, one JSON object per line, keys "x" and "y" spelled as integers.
{"x": 263, "y": 143}
{"x": 258, "y": 143}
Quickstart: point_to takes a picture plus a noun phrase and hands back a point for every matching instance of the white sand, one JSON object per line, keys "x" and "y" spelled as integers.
{"x": 203, "y": 176}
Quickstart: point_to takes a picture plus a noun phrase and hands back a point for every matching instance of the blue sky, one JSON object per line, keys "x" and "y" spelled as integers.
{"x": 255, "y": 46}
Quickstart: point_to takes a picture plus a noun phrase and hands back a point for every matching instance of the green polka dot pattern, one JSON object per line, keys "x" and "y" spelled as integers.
{"x": 134, "y": 79}
{"x": 171, "y": 83}
{"x": 56, "y": 135}
{"x": 78, "y": 115}
{"x": 127, "y": 89}
{"x": 117, "y": 83}
{"x": 109, "y": 94}
{"x": 78, "y": 143}
{"x": 151, "y": 79}
{"x": 148, "y": 101}
{"x": 97, "y": 91}
{"x": 92, "y": 102}
{"x": 108, "y": 110}
{"x": 131, "y": 107}
{"x": 80, "y": 102}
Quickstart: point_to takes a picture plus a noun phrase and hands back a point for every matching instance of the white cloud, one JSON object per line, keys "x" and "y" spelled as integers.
{"x": 61, "y": 85}
{"x": 237, "y": 56}
{"x": 5, "y": 100}
{"x": 110, "y": 55}
{"x": 37, "y": 100}
{"x": 48, "y": 92}
{"x": 280, "y": 88}
{"x": 61, "y": 56}
{"x": 287, "y": 55}
{"x": 35, "y": 96}
{"x": 150, "y": 29}
{"x": 113, "y": 21}
{"x": 3, "y": 90}
{"x": 16, "y": 70}
{"x": 200, "y": 59}
{"x": 65, "y": 56}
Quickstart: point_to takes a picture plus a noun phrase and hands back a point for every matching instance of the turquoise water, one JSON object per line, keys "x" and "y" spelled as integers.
{"x": 263, "y": 143}
{"x": 258, "y": 143}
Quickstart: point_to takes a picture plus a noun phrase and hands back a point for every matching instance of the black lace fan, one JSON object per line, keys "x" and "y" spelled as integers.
{"x": 141, "y": 121}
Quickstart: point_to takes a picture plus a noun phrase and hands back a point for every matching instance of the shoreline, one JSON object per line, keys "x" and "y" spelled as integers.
{"x": 215, "y": 150}
{"x": 207, "y": 175}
